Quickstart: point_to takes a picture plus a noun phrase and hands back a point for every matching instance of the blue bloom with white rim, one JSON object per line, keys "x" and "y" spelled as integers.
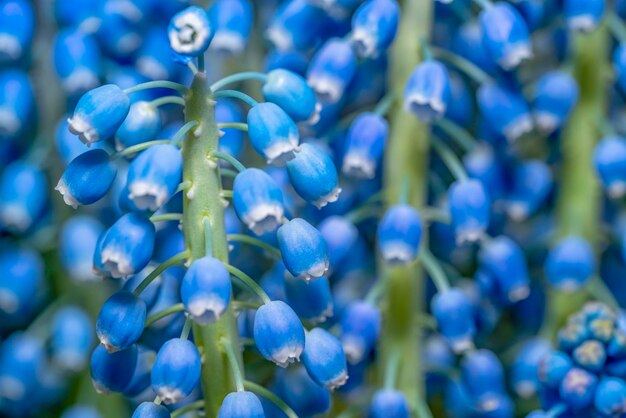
{"x": 242, "y": 404}
{"x": 21, "y": 280}
{"x": 278, "y": 333}
{"x": 365, "y": 144}
{"x": 127, "y": 246}
{"x": 505, "y": 111}
{"x": 556, "y": 94}
{"x": 374, "y": 27}
{"x": 312, "y": 301}
{"x": 389, "y": 403}
{"x": 112, "y": 372}
{"x": 190, "y": 31}
{"x": 570, "y": 264}
{"x": 470, "y": 210}
{"x": 121, "y": 321}
{"x": 17, "y": 24}
{"x": 231, "y": 140}
{"x": 206, "y": 290}
{"x": 300, "y": 392}
{"x": 609, "y": 160}
{"x": 483, "y": 377}
{"x": 399, "y": 234}
{"x": 303, "y": 249}
{"x": 154, "y": 176}
{"x": 505, "y": 35}
{"x": 99, "y": 113}
{"x": 258, "y": 201}
{"x": 77, "y": 61}
{"x": 23, "y": 196}
{"x": 71, "y": 338}
{"x": 324, "y": 359}
{"x": 360, "y": 327}
{"x": 87, "y": 178}
{"x": 292, "y": 93}
{"x": 296, "y": 25}
{"x": 583, "y": 16}
{"x": 273, "y": 134}
{"x": 577, "y": 388}
{"x": 340, "y": 235}
{"x": 22, "y": 360}
{"x": 531, "y": 184}
{"x": 77, "y": 244}
{"x": 151, "y": 410}
{"x": 455, "y": 318}
{"x": 610, "y": 396}
{"x": 314, "y": 176}
{"x": 154, "y": 58}
{"x": 141, "y": 125}
{"x": 505, "y": 262}
{"x": 17, "y": 102}
{"x": 233, "y": 21}
{"x": 176, "y": 371}
{"x": 524, "y": 375}
{"x": 427, "y": 92}
{"x": 331, "y": 69}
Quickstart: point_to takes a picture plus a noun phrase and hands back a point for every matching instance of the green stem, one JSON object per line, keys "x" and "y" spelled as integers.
{"x": 249, "y": 283}
{"x": 234, "y": 364}
{"x": 260, "y": 390}
{"x": 208, "y": 240}
{"x": 229, "y": 159}
{"x": 406, "y": 158}
{"x": 450, "y": 159}
{"x": 176, "y": 260}
{"x": 247, "y": 239}
{"x": 391, "y": 370}
{"x": 617, "y": 28}
{"x": 162, "y": 314}
{"x": 167, "y": 100}
{"x": 166, "y": 217}
{"x": 578, "y": 204}
{"x": 385, "y": 104}
{"x": 467, "y": 67}
{"x": 458, "y": 134}
{"x": 233, "y": 125}
{"x": 134, "y": 149}
{"x": 434, "y": 270}
{"x": 180, "y": 134}
{"x": 234, "y": 94}
{"x": 202, "y": 200}
{"x": 160, "y": 84}
{"x": 194, "y": 406}
{"x": 235, "y": 78}
{"x": 184, "y": 334}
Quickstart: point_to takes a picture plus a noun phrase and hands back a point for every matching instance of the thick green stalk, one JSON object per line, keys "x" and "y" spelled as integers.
{"x": 579, "y": 198}
{"x": 406, "y": 160}
{"x": 202, "y": 200}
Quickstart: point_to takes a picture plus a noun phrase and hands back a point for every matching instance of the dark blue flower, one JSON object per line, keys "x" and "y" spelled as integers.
{"x": 570, "y": 264}
{"x": 233, "y": 21}
{"x": 141, "y": 125}
{"x": 505, "y": 262}
{"x": 505, "y": 110}
{"x": 278, "y": 333}
{"x": 389, "y": 403}
{"x": 470, "y": 209}
{"x": 206, "y": 290}
{"x": 314, "y": 176}
{"x": 303, "y": 249}
{"x": 610, "y": 396}
{"x": 241, "y": 405}
{"x": 583, "y": 16}
{"x": 87, "y": 178}
{"x": 609, "y": 160}
{"x": 365, "y": 143}
{"x": 374, "y": 27}
{"x": 21, "y": 279}
{"x": 292, "y": 93}
{"x": 71, "y": 338}
{"x": 77, "y": 61}
{"x": 400, "y": 234}
{"x": 151, "y": 410}
{"x": 23, "y": 196}
{"x": 121, "y": 321}
{"x": 17, "y": 24}
{"x": 273, "y": 134}
{"x": 324, "y": 359}
{"x": 505, "y": 35}
{"x": 454, "y": 314}
{"x": 111, "y": 372}
{"x": 427, "y": 92}
{"x": 258, "y": 201}
{"x": 524, "y": 374}
{"x": 17, "y": 103}
{"x": 296, "y": 25}
{"x": 331, "y": 69}
{"x": 176, "y": 370}
{"x": 556, "y": 94}
{"x": 313, "y": 301}
{"x": 483, "y": 377}
{"x": 531, "y": 184}
{"x": 577, "y": 388}
{"x": 300, "y": 392}
{"x": 360, "y": 327}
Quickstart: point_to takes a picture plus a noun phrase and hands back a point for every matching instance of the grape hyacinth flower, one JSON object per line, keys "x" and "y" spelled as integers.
{"x": 111, "y": 372}
{"x": 365, "y": 144}
{"x": 556, "y": 95}
{"x": 504, "y": 261}
{"x": 16, "y": 103}
{"x": 278, "y": 333}
{"x": 427, "y": 92}
{"x": 273, "y": 134}
{"x": 505, "y": 35}
{"x": 570, "y": 264}
{"x": 242, "y": 404}
{"x": 121, "y": 321}
{"x": 470, "y": 210}
{"x": 360, "y": 326}
{"x": 99, "y": 113}
{"x": 190, "y": 31}
{"x": 176, "y": 370}
{"x": 504, "y": 110}
{"x": 17, "y": 24}
{"x": 583, "y": 16}
{"x": 23, "y": 275}
{"x": 300, "y": 392}
{"x": 233, "y": 21}
{"x": 151, "y": 410}
{"x": 331, "y": 70}
{"x": 77, "y": 61}
{"x": 311, "y": 300}
{"x": 399, "y": 235}
{"x": 374, "y": 27}
{"x": 454, "y": 314}
{"x": 324, "y": 359}
{"x": 206, "y": 290}
{"x": 71, "y": 338}
{"x": 303, "y": 249}
{"x": 141, "y": 125}
{"x": 389, "y": 403}
{"x": 291, "y": 93}
{"x": 609, "y": 159}
{"x": 23, "y": 196}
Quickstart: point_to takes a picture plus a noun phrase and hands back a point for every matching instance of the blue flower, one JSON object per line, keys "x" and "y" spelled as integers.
{"x": 313, "y": 301}
{"x": 176, "y": 370}
{"x": 341, "y": 236}
{"x": 454, "y": 314}
{"x": 121, "y": 321}
{"x": 427, "y": 92}
{"x": 127, "y": 246}
{"x": 570, "y": 264}
{"x": 77, "y": 61}
{"x": 141, "y": 125}
{"x": 273, "y": 134}
{"x": 389, "y": 403}
{"x": 258, "y": 201}
{"x": 23, "y": 196}
{"x": 67, "y": 145}
{"x": 278, "y": 333}
{"x": 99, "y": 113}
{"x": 553, "y": 367}
{"x": 151, "y": 410}
{"x": 303, "y": 249}
{"x": 470, "y": 209}
{"x": 233, "y": 21}
{"x": 505, "y": 111}
{"x": 141, "y": 375}
{"x": 610, "y": 396}
{"x": 77, "y": 244}
{"x": 324, "y": 359}
{"x": 190, "y": 31}
{"x": 296, "y": 25}
{"x": 17, "y": 103}
{"x": 483, "y": 165}
{"x": 300, "y": 392}
{"x": 154, "y": 58}
{"x": 84, "y": 14}
{"x": 609, "y": 160}
{"x": 111, "y": 372}
{"x": 81, "y": 411}
{"x": 374, "y": 27}
{"x": 365, "y": 144}
{"x": 577, "y": 388}
{"x": 531, "y": 184}
{"x": 292, "y": 93}
{"x": 206, "y": 290}
{"x": 331, "y": 69}
{"x": 505, "y": 35}
{"x": 524, "y": 374}
{"x": 71, "y": 338}
{"x": 399, "y": 234}
{"x": 22, "y": 361}
{"x": 583, "y": 16}
{"x": 87, "y": 178}
{"x": 154, "y": 176}
{"x": 314, "y": 176}
{"x": 17, "y": 24}
{"x": 241, "y": 405}
{"x": 21, "y": 279}
{"x": 360, "y": 327}
{"x": 483, "y": 377}
{"x": 556, "y": 94}
{"x": 504, "y": 261}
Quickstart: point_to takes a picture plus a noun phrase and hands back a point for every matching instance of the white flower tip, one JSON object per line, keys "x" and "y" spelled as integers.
{"x": 68, "y": 198}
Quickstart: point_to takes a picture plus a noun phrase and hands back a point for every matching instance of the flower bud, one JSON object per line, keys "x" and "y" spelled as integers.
{"x": 556, "y": 95}
{"x": 365, "y": 144}
{"x": 504, "y": 261}
{"x": 87, "y": 179}
{"x": 77, "y": 245}
{"x": 314, "y": 176}
{"x": 21, "y": 279}
{"x": 151, "y": 410}
{"x": 553, "y": 367}
{"x": 291, "y": 93}
{"x": 141, "y": 375}
{"x": 296, "y": 25}
{"x": 233, "y": 21}
{"x": 360, "y": 327}
{"x": 23, "y": 196}
{"x": 524, "y": 374}
{"x": 278, "y": 333}
{"x": 121, "y": 321}
{"x": 242, "y": 404}
{"x": 258, "y": 201}
{"x": 141, "y": 125}
{"x": 341, "y": 236}
{"x": 176, "y": 371}
{"x": 77, "y": 61}
{"x": 531, "y": 185}
{"x": 331, "y": 69}
{"x": 470, "y": 209}
{"x": 374, "y": 27}
{"x": 483, "y": 377}
{"x": 300, "y": 392}
{"x": 17, "y": 103}
{"x": 17, "y": 24}
{"x": 505, "y": 35}
{"x": 324, "y": 359}
{"x": 272, "y": 133}
{"x": 427, "y": 92}
{"x": 22, "y": 361}
{"x": 303, "y": 249}
{"x": 399, "y": 234}
{"x": 389, "y": 403}
{"x": 454, "y": 314}
{"x": 111, "y": 372}
{"x": 505, "y": 111}
{"x": 71, "y": 338}
{"x": 206, "y": 290}
{"x": 190, "y": 31}
{"x": 609, "y": 159}
{"x": 610, "y": 396}
{"x": 577, "y": 388}
{"x": 583, "y": 16}
{"x": 570, "y": 264}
